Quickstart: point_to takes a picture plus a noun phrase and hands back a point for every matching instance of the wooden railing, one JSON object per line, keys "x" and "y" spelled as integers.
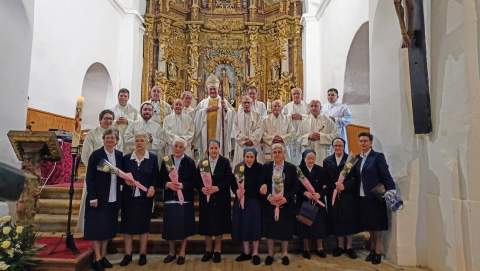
{"x": 43, "y": 121}
{"x": 352, "y": 134}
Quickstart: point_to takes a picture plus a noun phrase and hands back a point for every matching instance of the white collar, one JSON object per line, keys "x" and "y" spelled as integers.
{"x": 107, "y": 152}
{"x": 281, "y": 165}
{"x": 364, "y": 155}
{"x": 146, "y": 155}
{"x": 178, "y": 159}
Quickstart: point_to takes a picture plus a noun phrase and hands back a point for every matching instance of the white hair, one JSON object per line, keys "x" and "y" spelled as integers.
{"x": 179, "y": 140}
{"x": 278, "y": 146}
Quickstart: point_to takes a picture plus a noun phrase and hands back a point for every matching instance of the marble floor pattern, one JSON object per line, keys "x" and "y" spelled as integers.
{"x": 193, "y": 263}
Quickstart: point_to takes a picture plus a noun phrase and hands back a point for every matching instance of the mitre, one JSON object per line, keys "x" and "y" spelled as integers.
{"x": 212, "y": 81}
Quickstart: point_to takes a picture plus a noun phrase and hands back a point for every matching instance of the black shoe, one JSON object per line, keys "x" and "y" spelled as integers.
{"x": 142, "y": 260}
{"x": 269, "y": 260}
{"x": 181, "y": 260}
{"x": 351, "y": 253}
{"x": 97, "y": 266}
{"x": 306, "y": 254}
{"x": 169, "y": 258}
{"x": 243, "y": 257}
{"x": 321, "y": 253}
{"x": 369, "y": 257}
{"x": 338, "y": 252}
{"x": 111, "y": 249}
{"x": 285, "y": 260}
{"x": 217, "y": 257}
{"x": 127, "y": 259}
{"x": 105, "y": 263}
{"x": 207, "y": 256}
{"x": 377, "y": 259}
{"x": 256, "y": 260}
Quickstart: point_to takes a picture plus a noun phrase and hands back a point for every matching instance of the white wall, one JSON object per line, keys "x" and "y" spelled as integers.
{"x": 438, "y": 173}
{"x": 330, "y": 27}
{"x": 70, "y": 36}
{"x": 16, "y": 28}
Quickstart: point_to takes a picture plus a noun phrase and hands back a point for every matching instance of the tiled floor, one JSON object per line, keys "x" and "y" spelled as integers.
{"x": 193, "y": 263}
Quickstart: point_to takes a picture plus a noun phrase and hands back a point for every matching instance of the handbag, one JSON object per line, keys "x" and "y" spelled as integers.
{"x": 308, "y": 212}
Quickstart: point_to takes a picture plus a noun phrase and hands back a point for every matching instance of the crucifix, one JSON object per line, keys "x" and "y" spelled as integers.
{"x": 412, "y": 25}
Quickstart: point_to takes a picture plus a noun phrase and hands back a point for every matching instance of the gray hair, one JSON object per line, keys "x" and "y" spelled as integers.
{"x": 278, "y": 146}
{"x": 111, "y": 131}
{"x": 180, "y": 140}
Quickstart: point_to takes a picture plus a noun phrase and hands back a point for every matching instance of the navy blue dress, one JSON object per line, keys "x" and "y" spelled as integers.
{"x": 282, "y": 229}
{"x": 373, "y": 209}
{"x": 136, "y": 212}
{"x": 246, "y": 223}
{"x": 214, "y": 216}
{"x": 319, "y": 180}
{"x": 101, "y": 222}
{"x": 179, "y": 219}
{"x": 343, "y": 216}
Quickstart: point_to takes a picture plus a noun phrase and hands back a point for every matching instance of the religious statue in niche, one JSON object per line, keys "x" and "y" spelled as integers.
{"x": 275, "y": 70}
{"x": 228, "y": 83}
{"x": 406, "y": 20}
{"x": 172, "y": 71}
{"x": 225, "y": 83}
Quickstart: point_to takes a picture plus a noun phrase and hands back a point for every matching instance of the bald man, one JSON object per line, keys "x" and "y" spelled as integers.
{"x": 296, "y": 111}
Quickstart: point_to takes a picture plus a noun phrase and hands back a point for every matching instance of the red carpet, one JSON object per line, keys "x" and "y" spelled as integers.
{"x": 61, "y": 252}
{"x": 67, "y": 185}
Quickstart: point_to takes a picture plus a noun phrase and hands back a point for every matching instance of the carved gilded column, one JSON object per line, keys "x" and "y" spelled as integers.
{"x": 194, "y": 48}
{"x": 148, "y": 56}
{"x": 252, "y": 52}
{"x": 297, "y": 53}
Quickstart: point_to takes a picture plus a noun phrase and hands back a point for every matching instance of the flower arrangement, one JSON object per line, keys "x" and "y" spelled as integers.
{"x": 239, "y": 173}
{"x": 16, "y": 246}
{"x": 206, "y": 174}
{"x": 277, "y": 193}
{"x": 349, "y": 164}
{"x": 173, "y": 175}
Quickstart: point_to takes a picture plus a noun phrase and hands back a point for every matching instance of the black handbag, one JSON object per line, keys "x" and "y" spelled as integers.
{"x": 307, "y": 213}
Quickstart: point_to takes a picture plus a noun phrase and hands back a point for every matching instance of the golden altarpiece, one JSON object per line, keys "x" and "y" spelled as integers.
{"x": 243, "y": 42}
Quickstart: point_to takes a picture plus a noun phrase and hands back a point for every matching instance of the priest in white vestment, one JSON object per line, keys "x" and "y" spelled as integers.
{"x": 296, "y": 111}
{"x": 161, "y": 109}
{"x": 208, "y": 120}
{"x": 146, "y": 125}
{"x": 125, "y": 113}
{"x": 317, "y": 132}
{"x": 257, "y": 106}
{"x": 92, "y": 142}
{"x": 339, "y": 113}
{"x": 277, "y": 128}
{"x": 178, "y": 124}
{"x": 247, "y": 131}
{"x": 188, "y": 108}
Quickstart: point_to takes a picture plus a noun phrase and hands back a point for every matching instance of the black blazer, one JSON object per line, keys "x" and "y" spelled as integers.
{"x": 318, "y": 178}
{"x": 290, "y": 183}
{"x": 333, "y": 172}
{"x": 375, "y": 171}
{"x": 222, "y": 177}
{"x": 98, "y": 183}
{"x": 187, "y": 174}
{"x": 147, "y": 174}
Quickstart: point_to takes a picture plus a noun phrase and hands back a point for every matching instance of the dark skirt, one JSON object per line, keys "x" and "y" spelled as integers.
{"x": 343, "y": 215}
{"x": 101, "y": 223}
{"x": 247, "y": 223}
{"x": 373, "y": 214}
{"x": 214, "y": 217}
{"x": 136, "y": 214}
{"x": 282, "y": 229}
{"x": 178, "y": 221}
{"x": 318, "y": 230}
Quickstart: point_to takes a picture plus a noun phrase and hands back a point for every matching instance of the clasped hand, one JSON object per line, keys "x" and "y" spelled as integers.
{"x": 210, "y": 190}
{"x": 312, "y": 196}
{"x": 277, "y": 200}
{"x": 174, "y": 186}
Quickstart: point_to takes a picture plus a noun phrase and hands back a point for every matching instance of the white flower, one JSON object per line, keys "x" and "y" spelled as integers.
{"x": 6, "y": 244}
{"x": 19, "y": 229}
{"x": 4, "y": 266}
{"x": 6, "y": 218}
{"x": 7, "y": 230}
{"x": 205, "y": 163}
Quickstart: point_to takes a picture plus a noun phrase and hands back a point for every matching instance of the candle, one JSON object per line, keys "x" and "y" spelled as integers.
{"x": 80, "y": 101}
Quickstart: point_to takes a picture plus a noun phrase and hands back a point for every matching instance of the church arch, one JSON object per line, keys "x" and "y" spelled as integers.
{"x": 357, "y": 68}
{"x": 98, "y": 93}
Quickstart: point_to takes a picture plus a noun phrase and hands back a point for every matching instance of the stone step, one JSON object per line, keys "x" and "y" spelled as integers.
{"x": 57, "y": 206}
{"x": 53, "y": 223}
{"x": 58, "y": 192}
